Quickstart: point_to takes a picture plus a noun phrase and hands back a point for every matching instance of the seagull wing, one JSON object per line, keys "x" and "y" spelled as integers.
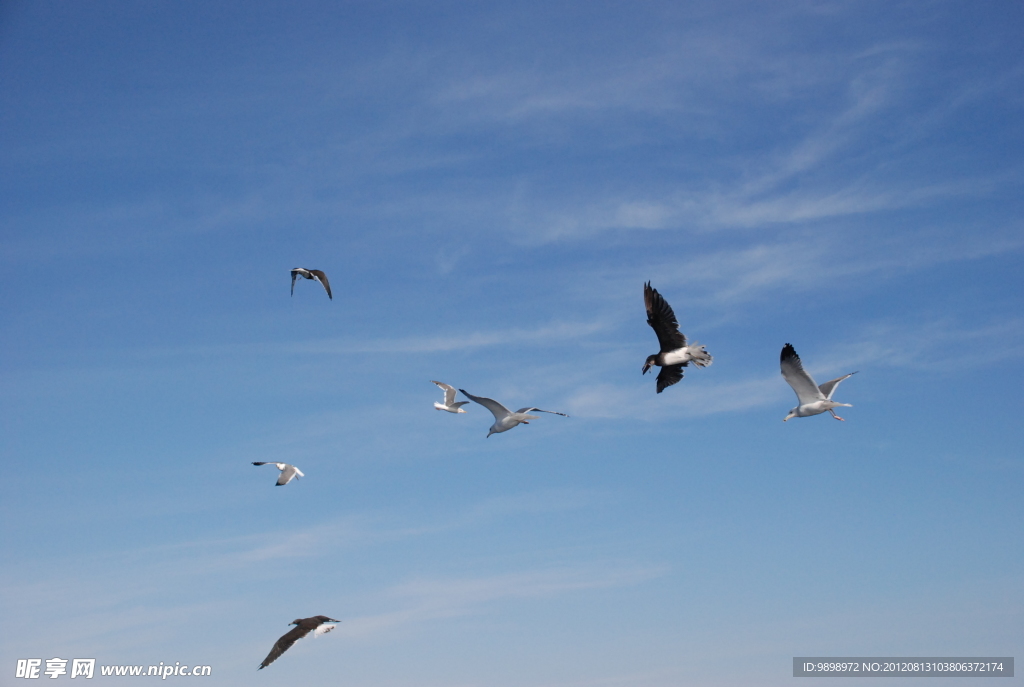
{"x": 286, "y": 475}
{"x": 261, "y": 463}
{"x": 662, "y": 320}
{"x": 541, "y": 410}
{"x": 793, "y": 370}
{"x": 295, "y": 274}
{"x": 829, "y": 387}
{"x": 497, "y": 410}
{"x": 322, "y": 278}
{"x": 669, "y": 375}
{"x": 284, "y": 643}
{"x": 449, "y": 393}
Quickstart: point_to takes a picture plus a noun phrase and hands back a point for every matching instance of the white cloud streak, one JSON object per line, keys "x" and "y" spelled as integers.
{"x": 422, "y": 600}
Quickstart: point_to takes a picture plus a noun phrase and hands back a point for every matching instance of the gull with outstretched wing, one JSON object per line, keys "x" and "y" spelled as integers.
{"x": 288, "y": 472}
{"x": 316, "y": 275}
{"x": 449, "y": 399}
{"x": 318, "y": 625}
{"x": 675, "y": 353}
{"x": 813, "y": 399}
{"x": 505, "y": 419}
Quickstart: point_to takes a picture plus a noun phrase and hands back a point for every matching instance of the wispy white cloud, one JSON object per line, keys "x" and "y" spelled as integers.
{"x": 214, "y": 556}
{"x": 545, "y": 334}
{"x": 422, "y": 600}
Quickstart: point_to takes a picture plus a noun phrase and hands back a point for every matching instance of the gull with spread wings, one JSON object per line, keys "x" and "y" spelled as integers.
{"x": 449, "y": 399}
{"x": 316, "y": 275}
{"x": 287, "y": 472}
{"x": 505, "y": 419}
{"x": 303, "y": 626}
{"x": 675, "y": 353}
{"x": 814, "y": 399}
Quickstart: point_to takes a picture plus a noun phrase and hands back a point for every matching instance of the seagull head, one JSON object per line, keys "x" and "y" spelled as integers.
{"x": 650, "y": 361}
{"x": 792, "y": 414}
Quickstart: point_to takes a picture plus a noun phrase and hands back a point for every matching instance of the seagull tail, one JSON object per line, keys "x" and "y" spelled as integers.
{"x": 698, "y": 355}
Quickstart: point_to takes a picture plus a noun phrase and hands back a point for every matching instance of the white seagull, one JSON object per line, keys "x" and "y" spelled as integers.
{"x": 675, "y": 354}
{"x": 287, "y": 472}
{"x": 505, "y": 419}
{"x": 317, "y": 275}
{"x": 449, "y": 399}
{"x": 814, "y": 399}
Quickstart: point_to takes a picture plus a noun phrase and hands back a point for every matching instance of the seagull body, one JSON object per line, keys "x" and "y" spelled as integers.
{"x": 303, "y": 626}
{"x": 675, "y": 353}
{"x": 287, "y": 472}
{"x": 814, "y": 399}
{"x": 449, "y": 399}
{"x": 317, "y": 275}
{"x": 505, "y": 419}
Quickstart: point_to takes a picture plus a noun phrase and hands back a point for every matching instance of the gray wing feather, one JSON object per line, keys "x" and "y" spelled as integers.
{"x": 541, "y": 410}
{"x": 497, "y": 410}
{"x": 793, "y": 372}
{"x": 322, "y": 278}
{"x": 829, "y": 387}
{"x": 286, "y": 475}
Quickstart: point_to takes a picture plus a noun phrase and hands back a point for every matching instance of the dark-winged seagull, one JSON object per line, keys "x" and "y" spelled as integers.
{"x": 287, "y": 472}
{"x": 449, "y": 399}
{"x": 814, "y": 399}
{"x": 675, "y": 354}
{"x": 505, "y": 419}
{"x": 318, "y": 275}
{"x": 303, "y": 626}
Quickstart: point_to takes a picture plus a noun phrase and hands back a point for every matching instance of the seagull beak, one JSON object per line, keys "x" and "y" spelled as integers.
{"x": 647, "y": 366}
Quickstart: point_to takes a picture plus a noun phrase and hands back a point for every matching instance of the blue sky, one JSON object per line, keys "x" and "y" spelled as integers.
{"x": 488, "y": 188}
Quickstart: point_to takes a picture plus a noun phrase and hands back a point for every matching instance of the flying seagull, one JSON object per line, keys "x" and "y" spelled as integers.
{"x": 287, "y": 472}
{"x": 675, "y": 353}
{"x": 303, "y": 626}
{"x": 318, "y": 275}
{"x": 449, "y": 399}
{"x": 505, "y": 419}
{"x": 813, "y": 399}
